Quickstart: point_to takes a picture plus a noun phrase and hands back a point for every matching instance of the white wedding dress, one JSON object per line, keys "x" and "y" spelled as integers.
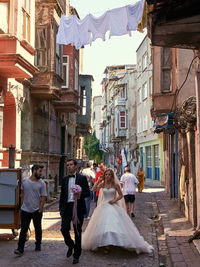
{"x": 110, "y": 225}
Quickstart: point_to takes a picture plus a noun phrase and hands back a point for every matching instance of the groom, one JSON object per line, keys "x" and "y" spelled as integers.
{"x": 66, "y": 208}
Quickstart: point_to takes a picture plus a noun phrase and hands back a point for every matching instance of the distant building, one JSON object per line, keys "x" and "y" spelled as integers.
{"x": 118, "y": 126}
{"x": 150, "y": 144}
{"x": 84, "y": 113}
{"x": 96, "y": 116}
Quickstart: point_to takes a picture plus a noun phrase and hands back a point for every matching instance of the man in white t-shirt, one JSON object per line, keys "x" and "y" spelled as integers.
{"x": 128, "y": 183}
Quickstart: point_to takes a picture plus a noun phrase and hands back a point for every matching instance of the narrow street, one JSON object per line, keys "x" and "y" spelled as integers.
{"x": 54, "y": 251}
{"x": 157, "y": 218}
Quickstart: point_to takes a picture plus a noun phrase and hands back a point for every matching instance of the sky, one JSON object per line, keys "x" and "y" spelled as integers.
{"x": 117, "y": 50}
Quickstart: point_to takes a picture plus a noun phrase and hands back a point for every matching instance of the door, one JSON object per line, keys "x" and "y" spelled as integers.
{"x": 149, "y": 162}
{"x": 157, "y": 163}
{"x": 174, "y": 165}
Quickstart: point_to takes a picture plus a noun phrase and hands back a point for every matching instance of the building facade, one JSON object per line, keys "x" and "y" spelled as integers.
{"x": 84, "y": 115}
{"x": 17, "y": 50}
{"x": 96, "y": 116}
{"x": 170, "y": 68}
{"x": 118, "y": 125}
{"x": 151, "y": 156}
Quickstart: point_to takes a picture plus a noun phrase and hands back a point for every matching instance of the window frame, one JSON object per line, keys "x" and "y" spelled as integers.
{"x": 121, "y": 121}
{"x": 144, "y": 61}
{"x": 26, "y": 29}
{"x": 76, "y": 73}
{"x": 66, "y": 84}
{"x": 8, "y": 15}
{"x": 144, "y": 91}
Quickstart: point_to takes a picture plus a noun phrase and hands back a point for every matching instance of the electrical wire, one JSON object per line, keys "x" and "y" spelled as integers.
{"x": 179, "y": 89}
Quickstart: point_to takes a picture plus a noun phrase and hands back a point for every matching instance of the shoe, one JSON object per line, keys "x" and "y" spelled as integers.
{"x": 75, "y": 261}
{"x": 18, "y": 252}
{"x": 87, "y": 218}
{"x": 132, "y": 215}
{"x": 69, "y": 252}
{"x": 38, "y": 248}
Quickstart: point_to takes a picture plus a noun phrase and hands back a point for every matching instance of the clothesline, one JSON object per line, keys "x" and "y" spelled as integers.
{"x": 118, "y": 21}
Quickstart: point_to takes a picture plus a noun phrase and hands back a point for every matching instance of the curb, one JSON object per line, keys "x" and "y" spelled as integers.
{"x": 47, "y": 205}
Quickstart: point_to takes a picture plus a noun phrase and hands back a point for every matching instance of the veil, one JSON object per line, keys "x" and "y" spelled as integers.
{"x": 121, "y": 202}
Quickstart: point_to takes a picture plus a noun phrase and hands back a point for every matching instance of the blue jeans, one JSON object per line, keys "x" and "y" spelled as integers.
{"x": 87, "y": 202}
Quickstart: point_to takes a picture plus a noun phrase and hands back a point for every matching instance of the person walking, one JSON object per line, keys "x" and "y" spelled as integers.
{"x": 141, "y": 178}
{"x": 91, "y": 179}
{"x": 100, "y": 173}
{"x": 33, "y": 197}
{"x": 67, "y": 208}
{"x": 128, "y": 183}
{"x": 110, "y": 225}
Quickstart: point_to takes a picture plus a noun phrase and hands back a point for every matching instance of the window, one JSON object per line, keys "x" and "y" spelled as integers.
{"x": 122, "y": 119}
{"x": 123, "y": 92}
{"x": 83, "y": 100}
{"x": 4, "y": 17}
{"x": 150, "y": 50}
{"x": 150, "y": 85}
{"x": 145, "y": 123}
{"x": 139, "y": 96}
{"x": 65, "y": 71}
{"x": 144, "y": 61}
{"x": 139, "y": 67}
{"x": 139, "y": 125}
{"x": 58, "y": 59}
{"x": 41, "y": 47}
{"x": 144, "y": 91}
{"x": 166, "y": 69}
{"x": 76, "y": 75}
{"x": 26, "y": 20}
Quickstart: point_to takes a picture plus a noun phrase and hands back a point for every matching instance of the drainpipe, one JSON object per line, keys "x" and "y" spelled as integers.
{"x": 49, "y": 139}
{"x": 197, "y": 88}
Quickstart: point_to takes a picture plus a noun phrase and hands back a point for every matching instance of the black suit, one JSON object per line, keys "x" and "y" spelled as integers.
{"x": 66, "y": 211}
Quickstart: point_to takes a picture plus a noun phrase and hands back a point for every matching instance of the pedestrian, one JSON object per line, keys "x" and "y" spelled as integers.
{"x": 33, "y": 197}
{"x": 115, "y": 171}
{"x": 95, "y": 169}
{"x": 91, "y": 179}
{"x": 67, "y": 208}
{"x": 128, "y": 183}
{"x": 141, "y": 178}
{"x": 101, "y": 171}
{"x": 110, "y": 225}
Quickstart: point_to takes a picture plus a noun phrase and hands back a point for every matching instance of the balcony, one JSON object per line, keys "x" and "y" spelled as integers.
{"x": 46, "y": 86}
{"x": 174, "y": 23}
{"x": 16, "y": 58}
{"x": 68, "y": 101}
{"x": 162, "y": 103}
{"x": 120, "y": 102}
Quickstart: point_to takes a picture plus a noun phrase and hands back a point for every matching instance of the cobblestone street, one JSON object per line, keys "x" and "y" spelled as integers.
{"x": 157, "y": 218}
{"x": 54, "y": 250}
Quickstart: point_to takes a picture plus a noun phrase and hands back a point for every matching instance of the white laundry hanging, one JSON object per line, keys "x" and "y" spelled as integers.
{"x": 134, "y": 13}
{"x": 118, "y": 21}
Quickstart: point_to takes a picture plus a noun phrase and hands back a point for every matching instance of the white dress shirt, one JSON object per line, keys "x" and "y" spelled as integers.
{"x": 70, "y": 193}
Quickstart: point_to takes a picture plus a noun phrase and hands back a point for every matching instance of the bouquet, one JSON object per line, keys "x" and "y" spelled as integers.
{"x": 76, "y": 189}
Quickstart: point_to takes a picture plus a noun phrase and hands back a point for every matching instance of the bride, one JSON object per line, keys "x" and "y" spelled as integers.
{"x": 110, "y": 225}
